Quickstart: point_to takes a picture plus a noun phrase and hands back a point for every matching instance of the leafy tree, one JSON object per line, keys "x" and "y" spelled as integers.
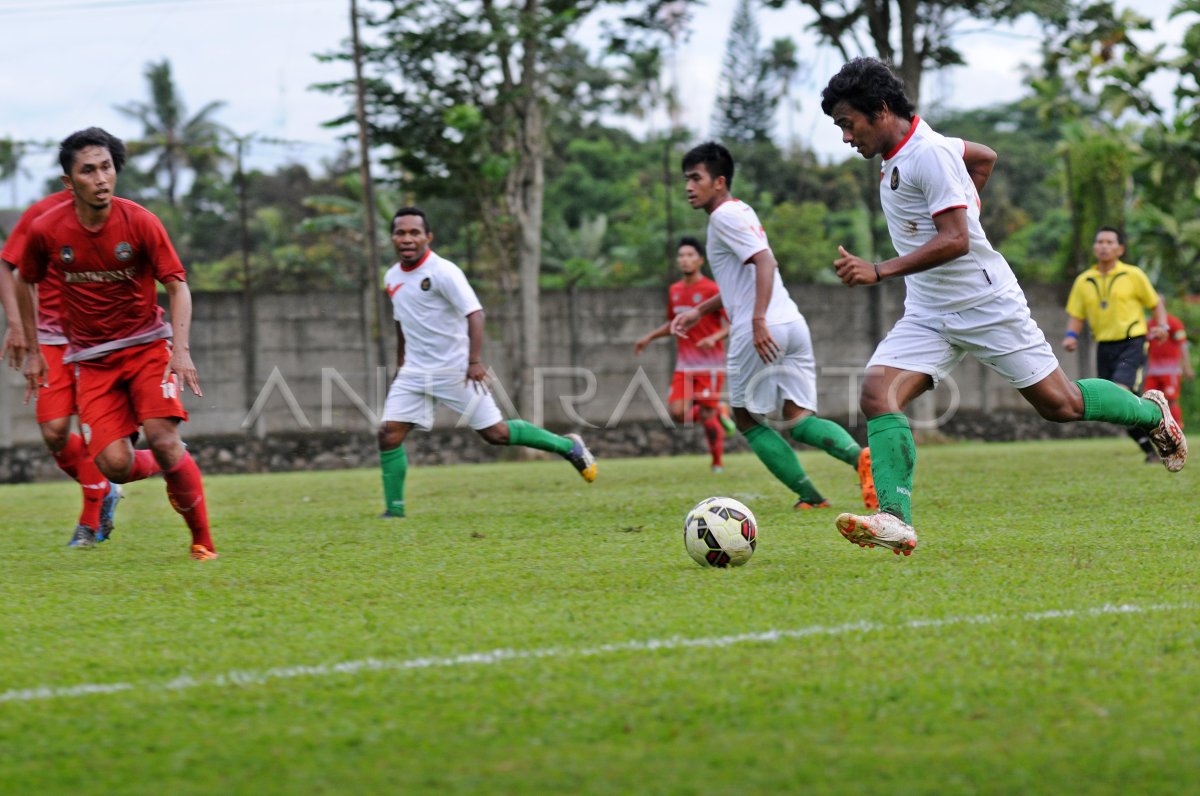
{"x": 745, "y": 106}
{"x": 175, "y": 141}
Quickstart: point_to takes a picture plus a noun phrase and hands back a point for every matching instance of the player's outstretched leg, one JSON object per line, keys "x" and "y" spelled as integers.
{"x": 830, "y": 437}
{"x": 185, "y": 490}
{"x": 74, "y": 460}
{"x": 1167, "y": 437}
{"x": 570, "y": 447}
{"x": 893, "y": 459}
{"x": 773, "y": 451}
{"x": 714, "y": 435}
{"x": 726, "y": 421}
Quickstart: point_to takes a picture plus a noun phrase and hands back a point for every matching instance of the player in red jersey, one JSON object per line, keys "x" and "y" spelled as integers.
{"x": 56, "y": 398}
{"x": 1167, "y": 362}
{"x": 700, "y": 362}
{"x": 130, "y": 363}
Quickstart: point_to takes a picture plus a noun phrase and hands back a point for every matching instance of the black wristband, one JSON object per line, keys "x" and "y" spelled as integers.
{"x": 878, "y": 278}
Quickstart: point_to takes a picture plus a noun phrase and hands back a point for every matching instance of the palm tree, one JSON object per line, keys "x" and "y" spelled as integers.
{"x": 178, "y": 142}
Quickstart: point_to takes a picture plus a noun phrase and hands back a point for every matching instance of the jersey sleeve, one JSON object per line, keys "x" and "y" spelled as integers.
{"x": 939, "y": 176}
{"x": 159, "y": 250}
{"x": 33, "y": 256}
{"x": 458, "y": 291}
{"x": 741, "y": 231}
{"x": 1075, "y": 303}
{"x": 1146, "y": 292}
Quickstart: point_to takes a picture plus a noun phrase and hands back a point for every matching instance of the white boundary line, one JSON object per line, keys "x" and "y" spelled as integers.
{"x": 491, "y": 657}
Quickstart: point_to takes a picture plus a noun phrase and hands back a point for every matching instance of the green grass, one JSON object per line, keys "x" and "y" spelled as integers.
{"x": 527, "y": 557}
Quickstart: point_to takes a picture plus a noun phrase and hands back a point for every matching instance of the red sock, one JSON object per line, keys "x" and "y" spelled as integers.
{"x": 144, "y": 465}
{"x": 74, "y": 460}
{"x": 715, "y": 435}
{"x": 695, "y": 412}
{"x": 185, "y": 490}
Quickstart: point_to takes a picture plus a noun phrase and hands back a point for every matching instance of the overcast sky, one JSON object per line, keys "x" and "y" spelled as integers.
{"x": 66, "y": 63}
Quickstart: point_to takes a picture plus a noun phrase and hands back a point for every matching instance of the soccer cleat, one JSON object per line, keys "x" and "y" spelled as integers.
{"x": 83, "y": 537}
{"x": 392, "y": 515}
{"x": 716, "y": 468}
{"x": 866, "y": 480}
{"x": 1167, "y": 437}
{"x": 107, "y": 509}
{"x": 202, "y": 553}
{"x": 726, "y": 421}
{"x": 883, "y": 529}
{"x": 804, "y": 505}
{"x": 581, "y": 458}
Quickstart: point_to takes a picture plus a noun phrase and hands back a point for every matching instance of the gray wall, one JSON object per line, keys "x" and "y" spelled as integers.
{"x": 312, "y": 344}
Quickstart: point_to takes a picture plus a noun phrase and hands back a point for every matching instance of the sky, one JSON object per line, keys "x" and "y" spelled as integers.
{"x": 67, "y": 63}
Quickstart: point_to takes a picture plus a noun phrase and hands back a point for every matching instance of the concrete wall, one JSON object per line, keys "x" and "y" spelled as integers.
{"x": 309, "y": 358}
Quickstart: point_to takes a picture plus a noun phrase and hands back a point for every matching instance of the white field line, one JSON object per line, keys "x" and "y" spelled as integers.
{"x": 489, "y": 657}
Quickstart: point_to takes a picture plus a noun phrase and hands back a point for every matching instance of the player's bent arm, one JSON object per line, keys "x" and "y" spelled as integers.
{"x": 1074, "y": 329}
{"x": 474, "y": 337}
{"x": 980, "y": 161}
{"x": 1161, "y": 325}
{"x": 35, "y": 367}
{"x": 399, "y": 346}
{"x": 1185, "y": 352}
{"x": 179, "y": 300}
{"x": 645, "y": 340}
{"x": 951, "y": 242}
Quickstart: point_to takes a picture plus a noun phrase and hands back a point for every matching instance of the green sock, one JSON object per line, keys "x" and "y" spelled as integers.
{"x": 893, "y": 459}
{"x": 394, "y": 464}
{"x": 829, "y": 437}
{"x": 782, "y": 461}
{"x": 531, "y": 436}
{"x": 1112, "y": 403}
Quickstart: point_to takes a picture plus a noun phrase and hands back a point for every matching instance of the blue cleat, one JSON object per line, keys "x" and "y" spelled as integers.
{"x": 107, "y": 509}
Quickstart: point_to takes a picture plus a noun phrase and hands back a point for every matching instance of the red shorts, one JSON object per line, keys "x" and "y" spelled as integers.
{"x": 1169, "y": 384}
{"x": 699, "y": 386}
{"x": 121, "y": 389}
{"x": 58, "y": 399}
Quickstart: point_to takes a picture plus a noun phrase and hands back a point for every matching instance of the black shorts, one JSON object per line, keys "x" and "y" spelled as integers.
{"x": 1122, "y": 361}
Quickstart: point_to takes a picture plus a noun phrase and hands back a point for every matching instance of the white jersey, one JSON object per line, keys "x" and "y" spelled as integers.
{"x": 921, "y": 178}
{"x": 432, "y": 301}
{"x": 734, "y": 236}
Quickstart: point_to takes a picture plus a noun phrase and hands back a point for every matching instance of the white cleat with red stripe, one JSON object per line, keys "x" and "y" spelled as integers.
{"x": 883, "y": 529}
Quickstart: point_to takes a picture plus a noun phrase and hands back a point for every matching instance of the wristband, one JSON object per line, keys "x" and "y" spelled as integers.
{"x": 878, "y": 278}
{"x": 472, "y": 361}
{"x": 1072, "y": 334}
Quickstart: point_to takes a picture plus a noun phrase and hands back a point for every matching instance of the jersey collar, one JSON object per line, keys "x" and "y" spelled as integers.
{"x": 912, "y": 129}
{"x": 418, "y": 263}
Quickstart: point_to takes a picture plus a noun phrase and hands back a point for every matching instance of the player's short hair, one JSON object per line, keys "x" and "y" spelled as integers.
{"x": 92, "y": 136}
{"x": 688, "y": 240}
{"x": 716, "y": 159}
{"x": 412, "y": 211}
{"x": 867, "y": 85}
{"x": 1120, "y": 235}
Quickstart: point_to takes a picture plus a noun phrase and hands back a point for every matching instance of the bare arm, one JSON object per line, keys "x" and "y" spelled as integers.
{"x": 764, "y": 280}
{"x": 980, "y": 161}
{"x": 15, "y": 343}
{"x": 1074, "y": 329}
{"x": 642, "y": 342}
{"x": 684, "y": 321}
{"x": 951, "y": 242}
{"x": 179, "y": 298}
{"x": 35, "y": 367}
{"x": 1161, "y": 327}
{"x": 399, "y": 346}
{"x": 476, "y": 372}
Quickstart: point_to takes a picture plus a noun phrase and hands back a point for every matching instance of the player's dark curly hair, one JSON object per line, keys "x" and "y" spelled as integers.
{"x": 92, "y": 136}
{"x": 867, "y": 85}
{"x": 716, "y": 159}
{"x": 412, "y": 211}
{"x": 688, "y": 240}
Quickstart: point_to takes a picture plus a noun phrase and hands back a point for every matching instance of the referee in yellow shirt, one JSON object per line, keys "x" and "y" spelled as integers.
{"x": 1113, "y": 297}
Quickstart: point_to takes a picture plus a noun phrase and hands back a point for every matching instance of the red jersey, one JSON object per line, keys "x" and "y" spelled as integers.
{"x": 684, "y": 297}
{"x": 108, "y": 293}
{"x": 49, "y": 294}
{"x": 1165, "y": 357}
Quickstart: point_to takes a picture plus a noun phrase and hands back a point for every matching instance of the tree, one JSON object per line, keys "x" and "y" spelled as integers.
{"x": 460, "y": 91}
{"x": 175, "y": 141}
{"x": 745, "y": 106}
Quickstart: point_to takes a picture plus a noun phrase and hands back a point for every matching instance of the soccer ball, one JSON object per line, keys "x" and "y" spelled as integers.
{"x": 720, "y": 532}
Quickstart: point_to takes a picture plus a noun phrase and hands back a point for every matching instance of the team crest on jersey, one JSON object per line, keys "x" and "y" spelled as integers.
{"x": 67, "y": 254}
{"x": 895, "y": 183}
{"x": 123, "y": 251}
{"x": 696, "y": 297}
{"x": 425, "y": 283}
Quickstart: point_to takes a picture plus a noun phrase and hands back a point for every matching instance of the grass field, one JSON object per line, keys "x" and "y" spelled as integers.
{"x": 524, "y": 632}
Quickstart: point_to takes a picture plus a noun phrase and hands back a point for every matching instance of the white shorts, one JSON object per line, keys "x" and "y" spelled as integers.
{"x": 414, "y": 395}
{"x": 761, "y": 387}
{"x": 999, "y": 333}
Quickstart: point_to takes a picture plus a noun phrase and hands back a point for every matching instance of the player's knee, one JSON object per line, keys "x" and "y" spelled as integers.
{"x": 116, "y": 466}
{"x": 55, "y": 436}
{"x": 1061, "y": 408}
{"x": 389, "y": 436}
{"x": 495, "y": 435}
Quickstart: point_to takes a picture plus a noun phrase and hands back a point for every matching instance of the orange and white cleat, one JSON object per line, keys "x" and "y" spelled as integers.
{"x": 804, "y": 505}
{"x": 866, "y": 480}
{"x": 1167, "y": 437}
{"x": 883, "y": 529}
{"x": 202, "y": 553}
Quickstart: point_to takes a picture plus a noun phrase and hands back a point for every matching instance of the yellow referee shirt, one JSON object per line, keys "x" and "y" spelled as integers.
{"x": 1113, "y": 304}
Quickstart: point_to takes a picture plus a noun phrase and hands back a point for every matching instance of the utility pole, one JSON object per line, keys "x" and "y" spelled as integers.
{"x": 249, "y": 316}
{"x": 373, "y": 311}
